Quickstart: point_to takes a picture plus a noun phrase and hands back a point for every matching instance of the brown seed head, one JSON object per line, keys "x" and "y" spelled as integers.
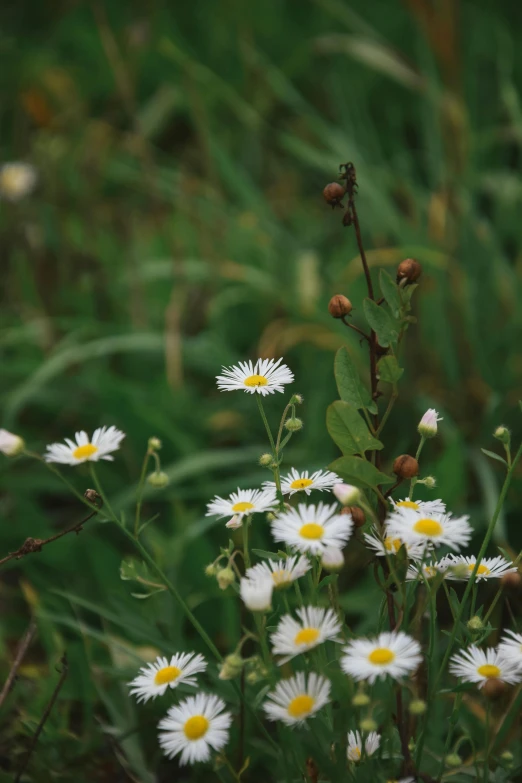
{"x": 512, "y": 581}
{"x": 406, "y": 467}
{"x": 333, "y": 194}
{"x": 358, "y": 515}
{"x": 339, "y": 306}
{"x": 409, "y": 270}
{"x": 494, "y": 689}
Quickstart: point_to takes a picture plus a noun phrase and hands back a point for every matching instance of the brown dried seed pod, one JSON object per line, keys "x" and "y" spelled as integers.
{"x": 409, "y": 270}
{"x": 406, "y": 467}
{"x": 333, "y": 194}
{"x": 512, "y": 581}
{"x": 358, "y": 515}
{"x": 339, "y": 306}
{"x": 494, "y": 689}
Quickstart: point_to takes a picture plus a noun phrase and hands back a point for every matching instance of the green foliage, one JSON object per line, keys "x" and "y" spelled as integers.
{"x": 349, "y": 430}
{"x": 349, "y": 384}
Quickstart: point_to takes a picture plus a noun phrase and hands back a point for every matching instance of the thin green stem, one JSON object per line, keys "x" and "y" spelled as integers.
{"x": 282, "y": 424}
{"x": 452, "y": 723}
{"x": 57, "y": 473}
{"x": 246, "y": 552}
{"x": 100, "y": 491}
{"x": 391, "y": 403}
{"x": 265, "y": 422}
{"x": 417, "y": 457}
{"x": 140, "y": 492}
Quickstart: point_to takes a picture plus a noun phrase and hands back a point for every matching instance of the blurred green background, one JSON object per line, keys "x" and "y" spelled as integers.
{"x": 178, "y": 225}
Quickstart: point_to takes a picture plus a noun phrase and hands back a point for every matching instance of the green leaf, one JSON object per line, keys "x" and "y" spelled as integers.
{"x": 390, "y": 291}
{"x": 328, "y": 580}
{"x": 407, "y": 293}
{"x": 266, "y": 554}
{"x": 388, "y": 369}
{"x": 386, "y": 328}
{"x": 136, "y": 571}
{"x": 348, "y": 429}
{"x": 494, "y": 456}
{"x": 351, "y": 388}
{"x": 355, "y": 470}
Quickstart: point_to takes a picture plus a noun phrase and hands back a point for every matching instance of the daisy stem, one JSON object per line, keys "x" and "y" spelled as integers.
{"x": 432, "y": 594}
{"x": 100, "y": 491}
{"x": 246, "y": 553}
{"x": 277, "y": 477}
{"x": 57, "y": 473}
{"x": 452, "y": 723}
{"x": 486, "y": 740}
{"x": 391, "y": 403}
{"x": 482, "y": 552}
{"x": 417, "y": 457}
{"x": 140, "y": 492}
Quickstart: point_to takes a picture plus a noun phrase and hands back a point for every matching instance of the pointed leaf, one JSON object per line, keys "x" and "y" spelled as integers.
{"x": 348, "y": 429}
{"x": 390, "y": 291}
{"x": 407, "y": 293}
{"x": 494, "y": 456}
{"x": 351, "y": 388}
{"x": 136, "y": 571}
{"x": 355, "y": 470}
{"x": 388, "y": 369}
{"x": 385, "y": 327}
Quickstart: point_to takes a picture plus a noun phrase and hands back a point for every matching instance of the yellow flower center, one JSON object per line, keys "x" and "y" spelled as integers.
{"x": 356, "y": 752}
{"x": 301, "y": 483}
{"x": 301, "y": 706}
{"x": 312, "y": 530}
{"x": 168, "y": 674}
{"x": 243, "y": 505}
{"x": 196, "y": 727}
{"x": 306, "y": 636}
{"x": 281, "y": 577}
{"x": 428, "y": 527}
{"x": 255, "y": 380}
{"x": 488, "y": 670}
{"x": 392, "y": 543}
{"x": 83, "y": 452}
{"x": 482, "y": 569}
{"x": 381, "y": 656}
{"x": 430, "y": 571}
{"x": 408, "y": 504}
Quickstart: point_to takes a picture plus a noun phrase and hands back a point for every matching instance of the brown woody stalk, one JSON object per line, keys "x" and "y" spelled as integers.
{"x": 20, "y": 655}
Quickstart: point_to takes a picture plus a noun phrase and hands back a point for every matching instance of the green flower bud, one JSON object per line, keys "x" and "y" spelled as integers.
{"x": 211, "y": 570}
{"x": 265, "y": 460}
{"x": 475, "y": 624}
{"x": 231, "y": 667}
{"x": 158, "y": 479}
{"x": 430, "y": 482}
{"x": 418, "y": 707}
{"x": 506, "y": 759}
{"x": 11, "y": 445}
{"x": 360, "y": 699}
{"x": 368, "y": 724}
{"x": 293, "y": 425}
{"x": 154, "y": 444}
{"x": 502, "y": 434}
{"x": 225, "y": 577}
{"x": 453, "y": 760}
{"x": 297, "y": 399}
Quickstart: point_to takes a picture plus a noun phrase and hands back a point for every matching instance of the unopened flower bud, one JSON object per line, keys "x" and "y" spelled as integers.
{"x": 154, "y": 444}
{"x": 93, "y": 497}
{"x": 339, "y": 306}
{"x": 265, "y": 460}
{"x": 10, "y": 444}
{"x": 257, "y": 593}
{"x": 333, "y": 194}
{"x": 158, "y": 479}
{"x": 427, "y": 426}
{"x": 270, "y": 516}
{"x": 346, "y": 494}
{"x": 17, "y": 180}
{"x": 506, "y": 758}
{"x": 297, "y": 399}
{"x": 211, "y": 569}
{"x": 453, "y": 760}
{"x": 512, "y": 580}
{"x": 361, "y": 699}
{"x": 409, "y": 270}
{"x": 357, "y": 514}
{"x": 406, "y": 467}
{"x": 231, "y": 667}
{"x": 430, "y": 482}
{"x": 225, "y": 577}
{"x": 368, "y": 724}
{"x": 418, "y": 707}
{"x": 493, "y": 689}
{"x": 332, "y": 558}
{"x": 234, "y": 522}
{"x": 475, "y": 624}
{"x": 459, "y": 571}
{"x": 502, "y": 434}
{"x": 293, "y": 424}
{"x": 256, "y": 670}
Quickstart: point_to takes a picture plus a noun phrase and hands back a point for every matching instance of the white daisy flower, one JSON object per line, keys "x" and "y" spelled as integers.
{"x": 511, "y": 648}
{"x": 315, "y": 626}
{"x": 103, "y": 441}
{"x": 489, "y": 568}
{"x": 266, "y": 376}
{"x": 476, "y": 665}
{"x": 256, "y": 593}
{"x": 193, "y": 727}
{"x": 297, "y": 481}
{"x": 154, "y": 679}
{"x": 294, "y": 700}
{"x": 282, "y": 572}
{"x": 434, "y": 528}
{"x": 422, "y": 506}
{"x": 10, "y": 444}
{"x": 371, "y": 744}
{"x": 429, "y": 570}
{"x": 390, "y": 545}
{"x": 241, "y": 503}
{"x": 393, "y": 654}
{"x": 312, "y": 528}
{"x": 16, "y": 180}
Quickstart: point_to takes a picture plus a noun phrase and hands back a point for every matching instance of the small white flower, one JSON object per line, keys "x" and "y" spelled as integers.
{"x": 235, "y": 522}
{"x": 315, "y": 626}
{"x": 297, "y": 481}
{"x": 282, "y": 572}
{"x": 154, "y": 679}
{"x": 10, "y": 444}
{"x": 266, "y": 376}
{"x": 256, "y": 593}
{"x": 103, "y": 442}
{"x": 476, "y": 665}
{"x": 294, "y": 700}
{"x": 347, "y": 494}
{"x": 428, "y": 424}
{"x": 193, "y": 727}
{"x": 390, "y": 653}
{"x": 242, "y": 503}
{"x": 460, "y": 567}
{"x": 429, "y": 570}
{"x": 371, "y": 744}
{"x": 16, "y": 180}
{"x": 434, "y": 528}
{"x": 511, "y": 648}
{"x": 312, "y": 528}
{"x": 390, "y": 545}
{"x": 332, "y": 558}
{"x": 422, "y": 506}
